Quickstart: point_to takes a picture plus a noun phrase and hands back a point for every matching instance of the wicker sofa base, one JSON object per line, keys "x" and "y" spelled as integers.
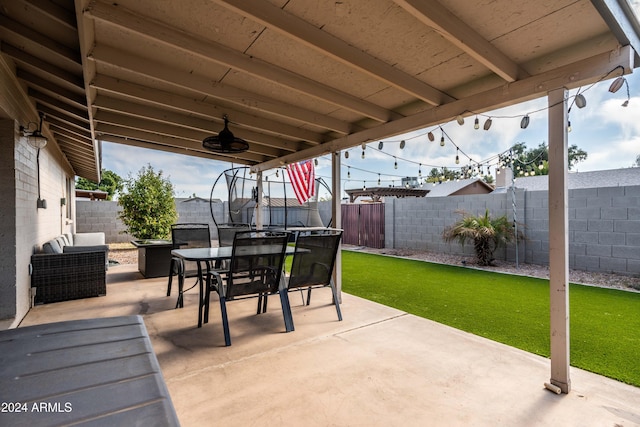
{"x": 67, "y": 276}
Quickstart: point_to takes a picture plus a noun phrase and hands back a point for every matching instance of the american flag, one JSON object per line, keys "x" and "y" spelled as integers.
{"x": 302, "y": 177}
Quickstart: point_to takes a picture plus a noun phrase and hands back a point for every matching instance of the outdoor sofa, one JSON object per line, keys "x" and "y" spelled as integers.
{"x": 70, "y": 266}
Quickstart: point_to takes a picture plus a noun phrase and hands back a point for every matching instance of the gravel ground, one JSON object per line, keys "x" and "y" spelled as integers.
{"x": 125, "y": 255}
{"x": 608, "y": 280}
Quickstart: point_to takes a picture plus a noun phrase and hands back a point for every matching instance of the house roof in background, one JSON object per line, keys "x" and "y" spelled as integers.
{"x": 91, "y": 194}
{"x": 576, "y": 180}
{"x": 450, "y": 188}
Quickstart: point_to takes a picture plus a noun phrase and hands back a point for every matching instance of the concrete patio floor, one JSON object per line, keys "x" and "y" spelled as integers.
{"x": 378, "y": 367}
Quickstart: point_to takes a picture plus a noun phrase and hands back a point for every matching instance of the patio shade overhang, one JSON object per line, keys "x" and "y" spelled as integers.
{"x": 297, "y": 79}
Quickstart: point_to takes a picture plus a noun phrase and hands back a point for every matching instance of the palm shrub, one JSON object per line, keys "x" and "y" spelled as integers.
{"x": 148, "y": 207}
{"x": 486, "y": 233}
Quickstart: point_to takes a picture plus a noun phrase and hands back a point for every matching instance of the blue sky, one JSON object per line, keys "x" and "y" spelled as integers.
{"x": 608, "y": 132}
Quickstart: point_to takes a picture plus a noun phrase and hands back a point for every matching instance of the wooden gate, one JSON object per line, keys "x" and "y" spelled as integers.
{"x": 363, "y": 225}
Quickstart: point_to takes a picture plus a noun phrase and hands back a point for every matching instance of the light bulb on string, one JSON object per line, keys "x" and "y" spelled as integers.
{"x": 476, "y": 123}
{"x": 277, "y": 173}
{"x": 315, "y": 161}
{"x": 580, "y": 101}
{"x": 541, "y": 165}
{"x": 346, "y": 154}
{"x": 569, "y": 126}
{"x": 378, "y": 180}
{"x": 349, "y": 172}
{"x": 364, "y": 185}
{"x": 617, "y": 84}
{"x": 431, "y": 137}
{"x": 420, "y": 171}
{"x": 487, "y": 124}
{"x": 402, "y": 144}
{"x": 380, "y": 145}
{"x": 395, "y": 163}
{"x": 457, "y": 156}
{"x": 524, "y": 122}
{"x": 460, "y": 119}
{"x": 442, "y": 139}
{"x": 362, "y": 156}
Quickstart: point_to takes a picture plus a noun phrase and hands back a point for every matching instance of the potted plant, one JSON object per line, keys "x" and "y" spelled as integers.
{"x": 148, "y": 211}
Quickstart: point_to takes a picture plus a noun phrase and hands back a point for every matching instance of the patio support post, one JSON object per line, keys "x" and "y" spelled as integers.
{"x": 559, "y": 239}
{"x": 259, "y": 219}
{"x": 336, "y": 214}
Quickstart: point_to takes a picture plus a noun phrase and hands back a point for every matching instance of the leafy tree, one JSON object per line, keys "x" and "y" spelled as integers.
{"x": 111, "y": 183}
{"x": 531, "y": 159}
{"x": 441, "y": 175}
{"x": 148, "y": 206}
{"x": 637, "y": 163}
{"x": 488, "y": 179}
{"x": 486, "y": 233}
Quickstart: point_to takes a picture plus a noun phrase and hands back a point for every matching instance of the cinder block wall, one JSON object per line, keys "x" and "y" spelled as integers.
{"x": 604, "y": 226}
{"x": 103, "y": 216}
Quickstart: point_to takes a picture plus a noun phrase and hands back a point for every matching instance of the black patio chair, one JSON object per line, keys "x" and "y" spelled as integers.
{"x": 226, "y": 232}
{"x": 313, "y": 263}
{"x": 183, "y": 236}
{"x": 255, "y": 269}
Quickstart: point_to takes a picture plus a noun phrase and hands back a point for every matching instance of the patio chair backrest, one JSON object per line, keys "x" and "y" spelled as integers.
{"x": 227, "y": 232}
{"x": 256, "y": 263}
{"x": 314, "y": 259}
{"x": 190, "y": 235}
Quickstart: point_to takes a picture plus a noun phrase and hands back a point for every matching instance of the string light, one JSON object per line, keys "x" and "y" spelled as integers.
{"x": 378, "y": 180}
{"x": 395, "y": 163}
{"x": 476, "y": 124}
{"x": 460, "y": 119}
{"x": 277, "y": 173}
{"x": 579, "y": 100}
{"x": 364, "y": 185}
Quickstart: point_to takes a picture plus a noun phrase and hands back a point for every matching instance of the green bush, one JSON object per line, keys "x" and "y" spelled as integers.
{"x": 486, "y": 233}
{"x": 148, "y": 206}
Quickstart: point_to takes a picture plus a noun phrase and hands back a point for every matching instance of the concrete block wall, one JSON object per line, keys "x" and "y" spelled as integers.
{"x": 94, "y": 216}
{"x": 604, "y": 226}
{"x": 103, "y": 216}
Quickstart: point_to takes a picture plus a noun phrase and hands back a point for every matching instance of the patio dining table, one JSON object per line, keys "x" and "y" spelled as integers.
{"x": 206, "y": 256}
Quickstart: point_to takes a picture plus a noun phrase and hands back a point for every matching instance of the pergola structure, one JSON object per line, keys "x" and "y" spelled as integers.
{"x": 298, "y": 79}
{"x": 377, "y": 193}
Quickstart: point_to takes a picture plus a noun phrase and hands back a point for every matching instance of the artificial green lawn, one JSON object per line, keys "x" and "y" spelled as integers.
{"x": 514, "y": 310}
